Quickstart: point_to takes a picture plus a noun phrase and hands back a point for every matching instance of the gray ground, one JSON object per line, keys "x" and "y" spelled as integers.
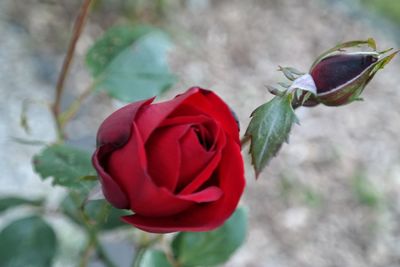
{"x": 330, "y": 198}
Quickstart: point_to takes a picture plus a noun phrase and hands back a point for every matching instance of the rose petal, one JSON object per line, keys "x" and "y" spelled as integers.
{"x": 215, "y": 107}
{"x": 194, "y": 158}
{"x": 152, "y": 116}
{"x": 204, "y": 217}
{"x": 208, "y": 128}
{"x": 186, "y": 119}
{"x": 113, "y": 133}
{"x": 110, "y": 188}
{"x": 204, "y": 175}
{"x": 204, "y": 100}
{"x": 128, "y": 166}
{"x": 164, "y": 155}
{"x": 116, "y": 128}
{"x": 209, "y": 194}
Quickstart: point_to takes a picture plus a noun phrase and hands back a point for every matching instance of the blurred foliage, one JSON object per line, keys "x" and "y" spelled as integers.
{"x": 111, "y": 44}
{"x": 27, "y": 242}
{"x": 150, "y": 11}
{"x": 213, "y": 247}
{"x": 15, "y": 201}
{"x": 130, "y": 63}
{"x": 66, "y": 165}
{"x": 97, "y": 212}
{"x": 293, "y": 190}
{"x": 365, "y": 192}
{"x": 154, "y": 258}
{"x": 389, "y": 9}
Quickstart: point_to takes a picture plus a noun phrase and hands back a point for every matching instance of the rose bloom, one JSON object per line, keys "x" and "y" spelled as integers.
{"x": 177, "y": 164}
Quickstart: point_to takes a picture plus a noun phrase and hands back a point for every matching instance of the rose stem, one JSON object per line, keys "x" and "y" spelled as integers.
{"x": 73, "y": 109}
{"x": 77, "y": 31}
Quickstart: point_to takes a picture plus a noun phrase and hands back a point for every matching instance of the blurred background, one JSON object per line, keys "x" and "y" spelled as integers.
{"x": 331, "y": 198}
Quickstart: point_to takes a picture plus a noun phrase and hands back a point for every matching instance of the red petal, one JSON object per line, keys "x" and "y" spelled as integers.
{"x": 204, "y": 100}
{"x": 128, "y": 166}
{"x": 209, "y": 194}
{"x": 164, "y": 155}
{"x": 110, "y": 188}
{"x": 203, "y": 176}
{"x": 194, "y": 158}
{"x": 204, "y": 217}
{"x": 113, "y": 133}
{"x": 215, "y": 107}
{"x": 116, "y": 128}
{"x": 152, "y": 116}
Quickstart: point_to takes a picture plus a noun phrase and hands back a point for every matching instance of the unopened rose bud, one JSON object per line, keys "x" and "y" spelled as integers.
{"x": 341, "y": 78}
{"x": 338, "y": 77}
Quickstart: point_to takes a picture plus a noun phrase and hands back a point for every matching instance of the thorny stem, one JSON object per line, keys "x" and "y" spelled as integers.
{"x": 77, "y": 31}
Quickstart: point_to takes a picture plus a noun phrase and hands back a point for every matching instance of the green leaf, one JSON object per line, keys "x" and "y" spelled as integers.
{"x": 113, "y": 42}
{"x": 154, "y": 258}
{"x": 211, "y": 248}
{"x": 98, "y": 212}
{"x": 66, "y": 165}
{"x": 27, "y": 242}
{"x": 269, "y": 128}
{"x": 12, "y": 202}
{"x": 140, "y": 71}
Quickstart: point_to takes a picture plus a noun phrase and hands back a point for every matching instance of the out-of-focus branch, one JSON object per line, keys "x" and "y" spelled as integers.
{"x": 77, "y": 31}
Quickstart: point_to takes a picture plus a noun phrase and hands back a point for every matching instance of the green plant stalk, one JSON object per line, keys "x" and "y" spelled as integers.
{"x": 145, "y": 242}
{"x": 93, "y": 241}
{"x": 77, "y": 31}
{"x": 138, "y": 257}
{"x": 169, "y": 254}
{"x": 74, "y": 107}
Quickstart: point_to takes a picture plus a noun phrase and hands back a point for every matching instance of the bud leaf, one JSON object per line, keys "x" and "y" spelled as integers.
{"x": 284, "y": 85}
{"x": 288, "y": 74}
{"x": 269, "y": 128}
{"x": 305, "y": 82}
{"x": 275, "y": 91}
{"x": 370, "y": 42}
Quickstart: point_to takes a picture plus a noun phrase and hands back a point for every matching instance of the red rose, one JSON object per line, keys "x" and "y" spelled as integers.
{"x": 177, "y": 165}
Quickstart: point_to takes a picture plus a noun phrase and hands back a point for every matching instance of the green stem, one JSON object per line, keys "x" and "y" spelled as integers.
{"x": 77, "y": 31}
{"x": 244, "y": 140}
{"x": 144, "y": 243}
{"x": 138, "y": 257}
{"x": 73, "y": 109}
{"x": 102, "y": 253}
{"x": 86, "y": 254}
{"x": 92, "y": 234}
{"x": 168, "y": 253}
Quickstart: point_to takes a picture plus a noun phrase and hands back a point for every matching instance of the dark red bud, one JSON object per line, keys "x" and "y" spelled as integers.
{"x": 336, "y": 70}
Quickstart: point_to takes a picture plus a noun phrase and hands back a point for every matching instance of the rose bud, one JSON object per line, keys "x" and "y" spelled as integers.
{"x": 177, "y": 164}
{"x": 339, "y": 77}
